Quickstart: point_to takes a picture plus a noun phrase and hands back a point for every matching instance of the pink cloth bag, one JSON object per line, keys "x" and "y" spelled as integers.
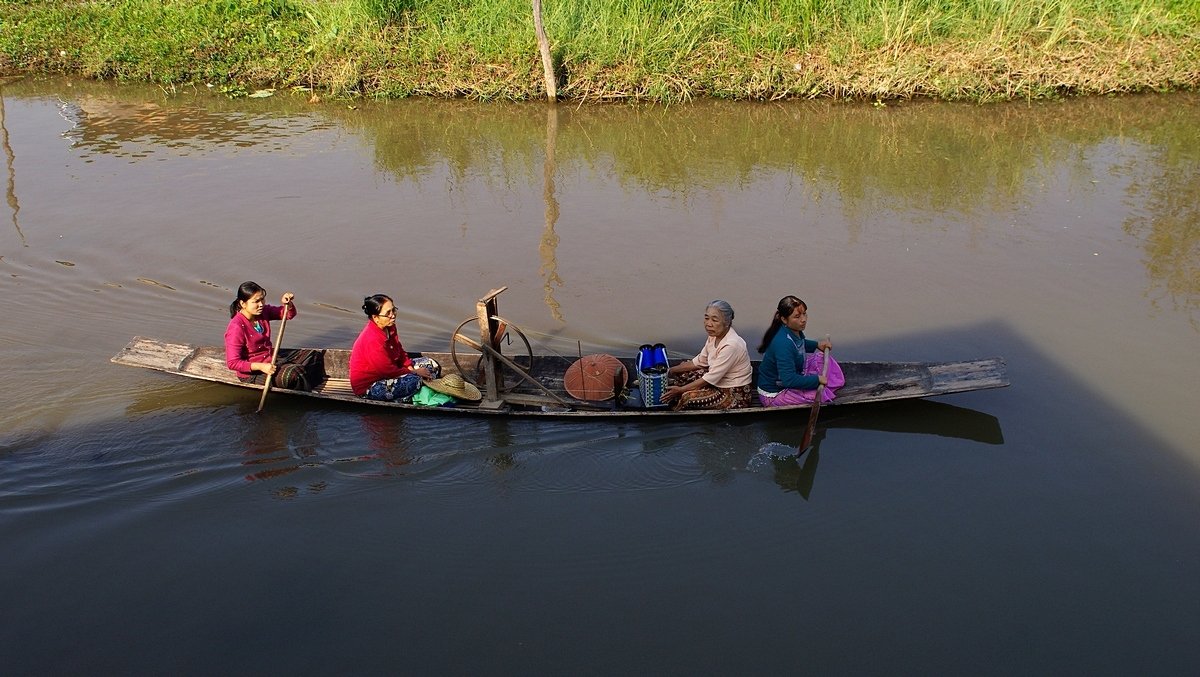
{"x": 813, "y": 363}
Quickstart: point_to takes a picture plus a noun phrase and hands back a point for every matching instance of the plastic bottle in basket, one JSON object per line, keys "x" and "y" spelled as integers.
{"x": 645, "y": 358}
{"x": 660, "y": 359}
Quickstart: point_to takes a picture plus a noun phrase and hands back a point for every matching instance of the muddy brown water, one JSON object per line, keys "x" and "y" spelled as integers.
{"x": 154, "y": 524}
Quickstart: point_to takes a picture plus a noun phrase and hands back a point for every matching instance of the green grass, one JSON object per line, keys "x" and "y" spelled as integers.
{"x": 664, "y": 50}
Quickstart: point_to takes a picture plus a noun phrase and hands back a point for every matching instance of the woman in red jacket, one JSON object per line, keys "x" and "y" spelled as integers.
{"x": 380, "y": 369}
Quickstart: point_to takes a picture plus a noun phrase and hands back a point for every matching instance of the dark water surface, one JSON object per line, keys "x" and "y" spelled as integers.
{"x": 155, "y": 525}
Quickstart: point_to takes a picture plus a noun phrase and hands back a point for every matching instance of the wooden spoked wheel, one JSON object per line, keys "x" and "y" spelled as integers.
{"x": 507, "y": 329}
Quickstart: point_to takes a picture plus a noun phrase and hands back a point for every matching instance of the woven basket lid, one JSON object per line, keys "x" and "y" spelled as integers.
{"x": 592, "y": 377}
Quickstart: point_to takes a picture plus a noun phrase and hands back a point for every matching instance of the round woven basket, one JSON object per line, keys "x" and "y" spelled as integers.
{"x": 594, "y": 377}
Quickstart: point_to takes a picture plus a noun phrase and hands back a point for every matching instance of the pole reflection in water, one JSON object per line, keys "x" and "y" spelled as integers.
{"x": 10, "y": 191}
{"x": 549, "y": 242}
{"x": 501, "y": 438}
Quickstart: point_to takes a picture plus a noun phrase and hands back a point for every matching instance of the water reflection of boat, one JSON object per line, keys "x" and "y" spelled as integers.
{"x": 537, "y": 385}
{"x": 913, "y": 416}
{"x": 921, "y": 417}
{"x": 796, "y": 472}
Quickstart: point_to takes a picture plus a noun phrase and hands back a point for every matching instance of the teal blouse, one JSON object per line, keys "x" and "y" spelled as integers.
{"x": 782, "y": 364}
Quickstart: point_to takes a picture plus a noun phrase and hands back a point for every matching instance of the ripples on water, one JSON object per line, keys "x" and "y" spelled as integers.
{"x": 169, "y": 449}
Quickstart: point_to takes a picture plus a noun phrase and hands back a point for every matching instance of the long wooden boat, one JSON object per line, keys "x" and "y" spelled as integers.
{"x": 531, "y": 385}
{"x": 865, "y": 382}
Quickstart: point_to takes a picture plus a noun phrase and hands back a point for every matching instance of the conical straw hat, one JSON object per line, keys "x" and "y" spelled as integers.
{"x": 454, "y": 385}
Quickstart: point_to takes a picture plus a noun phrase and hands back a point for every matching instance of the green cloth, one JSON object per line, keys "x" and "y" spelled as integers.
{"x": 428, "y": 397}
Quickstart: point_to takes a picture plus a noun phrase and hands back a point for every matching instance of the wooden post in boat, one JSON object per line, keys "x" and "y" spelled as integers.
{"x": 497, "y": 355}
{"x": 486, "y": 309}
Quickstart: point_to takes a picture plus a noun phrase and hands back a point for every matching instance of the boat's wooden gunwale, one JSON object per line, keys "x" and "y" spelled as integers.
{"x": 891, "y": 381}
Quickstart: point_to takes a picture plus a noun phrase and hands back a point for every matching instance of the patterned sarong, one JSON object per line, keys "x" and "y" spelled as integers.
{"x": 709, "y": 396}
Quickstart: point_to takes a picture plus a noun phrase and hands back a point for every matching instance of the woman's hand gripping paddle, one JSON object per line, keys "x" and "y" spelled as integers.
{"x": 274, "y": 354}
{"x": 816, "y": 407}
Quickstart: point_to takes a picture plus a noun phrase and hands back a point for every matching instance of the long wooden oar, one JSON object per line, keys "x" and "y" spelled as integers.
{"x": 816, "y": 407}
{"x": 274, "y": 354}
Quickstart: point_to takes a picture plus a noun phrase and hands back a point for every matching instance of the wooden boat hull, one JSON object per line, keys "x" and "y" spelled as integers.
{"x": 865, "y": 382}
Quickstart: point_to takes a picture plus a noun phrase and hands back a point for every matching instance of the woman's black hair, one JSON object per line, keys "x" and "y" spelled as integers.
{"x": 373, "y": 304}
{"x": 787, "y": 306}
{"x": 245, "y": 292}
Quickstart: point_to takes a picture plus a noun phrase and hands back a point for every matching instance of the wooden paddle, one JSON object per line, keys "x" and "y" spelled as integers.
{"x": 274, "y": 354}
{"x": 816, "y": 407}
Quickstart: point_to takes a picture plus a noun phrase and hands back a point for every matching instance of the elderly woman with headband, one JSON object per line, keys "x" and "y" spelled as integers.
{"x": 720, "y": 376}
{"x": 380, "y": 368}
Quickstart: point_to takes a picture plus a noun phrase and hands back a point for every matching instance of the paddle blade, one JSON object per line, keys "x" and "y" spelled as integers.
{"x": 812, "y": 425}
{"x": 816, "y": 407}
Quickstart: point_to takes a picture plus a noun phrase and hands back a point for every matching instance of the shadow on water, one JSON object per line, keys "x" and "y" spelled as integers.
{"x": 299, "y": 448}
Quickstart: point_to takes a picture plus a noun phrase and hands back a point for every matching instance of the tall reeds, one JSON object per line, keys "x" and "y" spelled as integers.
{"x": 665, "y": 50}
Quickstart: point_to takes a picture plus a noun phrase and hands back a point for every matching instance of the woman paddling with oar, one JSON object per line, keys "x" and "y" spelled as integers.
{"x": 789, "y": 373}
{"x": 248, "y": 348}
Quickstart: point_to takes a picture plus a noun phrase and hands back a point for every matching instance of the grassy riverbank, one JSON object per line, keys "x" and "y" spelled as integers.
{"x": 661, "y": 50}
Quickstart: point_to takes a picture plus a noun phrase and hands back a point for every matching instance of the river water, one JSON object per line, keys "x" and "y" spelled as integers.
{"x": 153, "y": 524}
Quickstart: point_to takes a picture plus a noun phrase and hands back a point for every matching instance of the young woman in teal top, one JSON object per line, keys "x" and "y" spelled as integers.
{"x": 781, "y": 377}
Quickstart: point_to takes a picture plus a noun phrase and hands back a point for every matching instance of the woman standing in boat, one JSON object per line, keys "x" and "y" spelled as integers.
{"x": 785, "y": 375}
{"x": 380, "y": 369}
{"x": 248, "y": 336}
{"x": 720, "y": 376}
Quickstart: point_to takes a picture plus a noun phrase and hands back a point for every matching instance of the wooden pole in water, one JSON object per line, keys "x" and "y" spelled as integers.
{"x": 544, "y": 48}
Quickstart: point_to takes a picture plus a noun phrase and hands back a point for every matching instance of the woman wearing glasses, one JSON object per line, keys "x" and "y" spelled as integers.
{"x": 380, "y": 369}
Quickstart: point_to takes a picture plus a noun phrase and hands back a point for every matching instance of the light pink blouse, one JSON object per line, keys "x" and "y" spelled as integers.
{"x": 728, "y": 361}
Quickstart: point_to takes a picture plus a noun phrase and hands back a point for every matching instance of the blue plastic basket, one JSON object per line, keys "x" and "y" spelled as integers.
{"x": 651, "y": 363}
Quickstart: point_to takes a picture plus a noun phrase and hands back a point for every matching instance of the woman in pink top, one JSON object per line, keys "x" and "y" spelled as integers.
{"x": 720, "y": 376}
{"x": 248, "y": 337}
